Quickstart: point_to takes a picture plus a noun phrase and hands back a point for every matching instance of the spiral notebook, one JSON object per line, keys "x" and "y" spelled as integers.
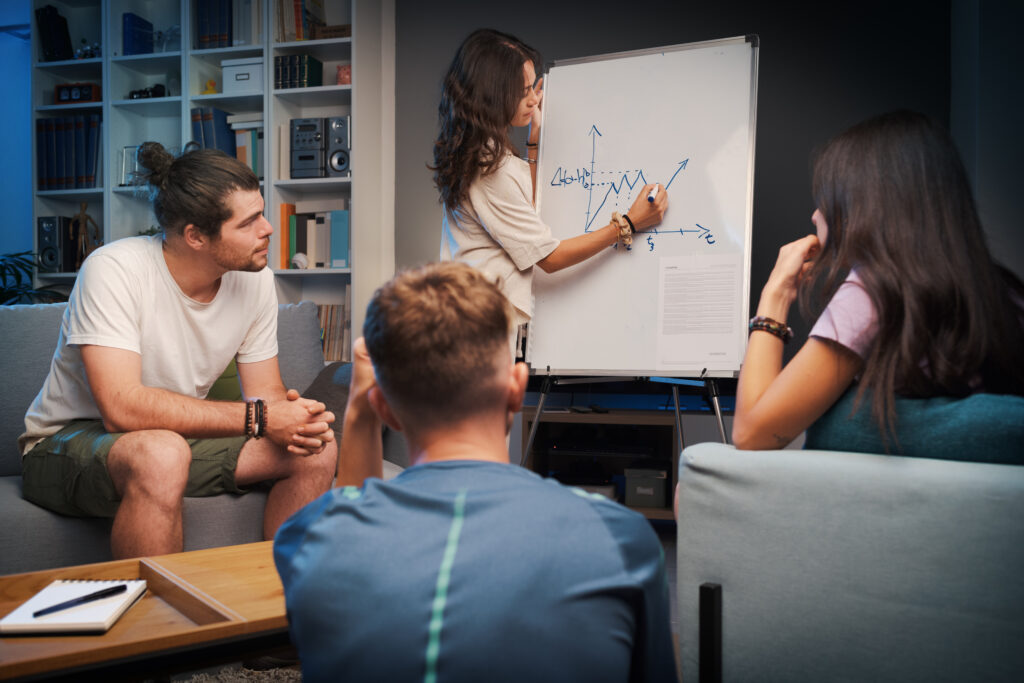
{"x": 95, "y": 616}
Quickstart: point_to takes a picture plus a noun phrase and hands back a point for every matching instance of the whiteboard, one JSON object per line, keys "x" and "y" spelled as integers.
{"x": 676, "y": 302}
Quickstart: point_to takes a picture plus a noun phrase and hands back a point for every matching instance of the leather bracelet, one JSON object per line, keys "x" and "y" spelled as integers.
{"x": 248, "y": 418}
{"x": 255, "y": 418}
{"x": 771, "y": 326}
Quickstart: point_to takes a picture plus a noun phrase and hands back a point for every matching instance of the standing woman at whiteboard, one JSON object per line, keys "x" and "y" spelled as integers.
{"x": 917, "y": 308}
{"x": 488, "y": 191}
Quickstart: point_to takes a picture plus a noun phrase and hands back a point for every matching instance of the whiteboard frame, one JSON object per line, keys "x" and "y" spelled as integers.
{"x": 754, "y": 41}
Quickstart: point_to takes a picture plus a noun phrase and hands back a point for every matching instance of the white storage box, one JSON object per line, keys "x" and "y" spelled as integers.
{"x": 243, "y": 76}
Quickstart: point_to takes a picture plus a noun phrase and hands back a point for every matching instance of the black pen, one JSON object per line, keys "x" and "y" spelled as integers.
{"x": 98, "y": 595}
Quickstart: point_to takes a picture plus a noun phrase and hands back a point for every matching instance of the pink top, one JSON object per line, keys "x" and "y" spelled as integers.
{"x": 850, "y": 318}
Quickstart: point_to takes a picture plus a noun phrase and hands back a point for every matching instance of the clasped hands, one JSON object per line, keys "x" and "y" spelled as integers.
{"x": 301, "y": 425}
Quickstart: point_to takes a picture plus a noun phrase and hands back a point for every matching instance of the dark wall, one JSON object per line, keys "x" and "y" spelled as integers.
{"x": 823, "y": 67}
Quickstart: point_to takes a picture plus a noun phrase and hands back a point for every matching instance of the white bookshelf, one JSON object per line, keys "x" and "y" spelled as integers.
{"x": 184, "y": 70}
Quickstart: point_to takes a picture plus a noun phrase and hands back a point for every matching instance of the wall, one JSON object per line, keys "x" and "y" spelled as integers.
{"x": 988, "y": 68}
{"x": 15, "y": 115}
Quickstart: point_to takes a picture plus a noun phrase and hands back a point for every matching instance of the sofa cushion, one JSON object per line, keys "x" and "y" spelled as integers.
{"x": 978, "y": 428}
{"x": 28, "y": 338}
{"x": 299, "y": 351}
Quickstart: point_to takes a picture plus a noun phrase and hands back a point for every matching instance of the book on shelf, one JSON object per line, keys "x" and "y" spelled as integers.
{"x": 297, "y": 71}
{"x": 89, "y": 615}
{"x": 334, "y": 322}
{"x": 319, "y": 204}
{"x": 54, "y": 38}
{"x": 92, "y": 151}
{"x": 249, "y": 148}
{"x": 225, "y": 31}
{"x": 246, "y": 117}
{"x": 42, "y": 180}
{"x": 136, "y": 35}
{"x": 338, "y": 222}
{"x": 57, "y": 166}
{"x": 217, "y": 134}
{"x": 242, "y": 152}
{"x": 284, "y": 155}
{"x": 321, "y": 236}
{"x": 285, "y": 231}
{"x": 227, "y": 23}
{"x": 318, "y": 238}
{"x": 79, "y": 133}
{"x": 52, "y": 173}
{"x": 69, "y": 153}
{"x": 197, "y": 126}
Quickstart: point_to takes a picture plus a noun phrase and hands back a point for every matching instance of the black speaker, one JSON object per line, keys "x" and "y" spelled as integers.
{"x": 339, "y": 142}
{"x": 49, "y": 242}
{"x": 55, "y": 245}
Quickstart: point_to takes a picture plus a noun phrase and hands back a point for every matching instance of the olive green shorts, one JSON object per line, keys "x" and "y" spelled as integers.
{"x": 67, "y": 472}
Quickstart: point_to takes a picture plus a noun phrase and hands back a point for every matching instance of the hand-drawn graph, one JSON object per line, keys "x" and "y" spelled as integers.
{"x": 602, "y": 184}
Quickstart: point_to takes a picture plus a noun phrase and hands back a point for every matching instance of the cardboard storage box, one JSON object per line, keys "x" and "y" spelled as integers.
{"x": 645, "y": 488}
{"x": 243, "y": 76}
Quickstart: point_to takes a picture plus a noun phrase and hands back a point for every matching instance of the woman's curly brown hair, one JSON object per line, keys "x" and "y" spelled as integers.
{"x": 479, "y": 97}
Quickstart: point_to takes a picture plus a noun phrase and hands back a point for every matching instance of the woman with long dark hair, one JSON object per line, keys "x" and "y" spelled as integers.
{"x": 916, "y": 305}
{"x": 488, "y": 192}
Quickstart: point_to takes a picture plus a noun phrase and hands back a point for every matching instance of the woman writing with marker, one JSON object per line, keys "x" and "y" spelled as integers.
{"x": 488, "y": 192}
{"x": 917, "y": 309}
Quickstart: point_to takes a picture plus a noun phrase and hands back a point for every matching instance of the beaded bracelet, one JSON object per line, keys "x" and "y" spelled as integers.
{"x": 255, "y": 418}
{"x": 766, "y": 324}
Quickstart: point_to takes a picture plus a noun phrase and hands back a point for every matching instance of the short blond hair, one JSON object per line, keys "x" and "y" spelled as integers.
{"x": 438, "y": 337}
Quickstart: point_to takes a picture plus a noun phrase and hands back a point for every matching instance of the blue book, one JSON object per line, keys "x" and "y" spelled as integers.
{"x": 69, "y": 152}
{"x": 339, "y": 239}
{"x": 217, "y": 133}
{"x": 136, "y": 35}
{"x": 225, "y": 34}
{"x": 41, "y": 179}
{"x": 52, "y": 172}
{"x": 92, "y": 150}
{"x": 80, "y": 151}
{"x": 197, "y": 126}
{"x": 203, "y": 24}
{"x": 61, "y": 156}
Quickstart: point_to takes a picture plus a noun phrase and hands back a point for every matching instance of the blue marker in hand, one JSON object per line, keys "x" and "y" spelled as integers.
{"x": 653, "y": 194}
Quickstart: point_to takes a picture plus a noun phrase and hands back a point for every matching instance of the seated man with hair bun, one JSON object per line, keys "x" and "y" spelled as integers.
{"x": 120, "y": 427}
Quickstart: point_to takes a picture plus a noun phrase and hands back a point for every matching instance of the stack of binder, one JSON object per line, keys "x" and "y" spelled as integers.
{"x": 67, "y": 152}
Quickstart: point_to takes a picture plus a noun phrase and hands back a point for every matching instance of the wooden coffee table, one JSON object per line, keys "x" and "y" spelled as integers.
{"x": 201, "y": 608}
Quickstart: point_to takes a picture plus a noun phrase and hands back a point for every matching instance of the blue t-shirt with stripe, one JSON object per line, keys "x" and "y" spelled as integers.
{"x": 469, "y": 571}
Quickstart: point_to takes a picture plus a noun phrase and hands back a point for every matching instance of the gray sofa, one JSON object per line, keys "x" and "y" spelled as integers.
{"x": 841, "y": 566}
{"x": 33, "y": 538}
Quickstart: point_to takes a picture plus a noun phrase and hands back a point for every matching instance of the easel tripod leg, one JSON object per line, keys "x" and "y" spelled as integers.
{"x": 713, "y": 391}
{"x": 527, "y": 459}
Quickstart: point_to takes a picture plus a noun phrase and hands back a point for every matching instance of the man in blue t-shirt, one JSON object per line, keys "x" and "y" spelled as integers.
{"x": 463, "y": 567}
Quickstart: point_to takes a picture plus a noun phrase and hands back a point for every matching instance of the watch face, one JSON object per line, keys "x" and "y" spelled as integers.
{"x": 76, "y": 93}
{"x": 63, "y": 93}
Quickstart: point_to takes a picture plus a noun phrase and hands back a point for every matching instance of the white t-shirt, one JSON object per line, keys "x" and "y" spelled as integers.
{"x": 497, "y": 231}
{"x": 125, "y": 298}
